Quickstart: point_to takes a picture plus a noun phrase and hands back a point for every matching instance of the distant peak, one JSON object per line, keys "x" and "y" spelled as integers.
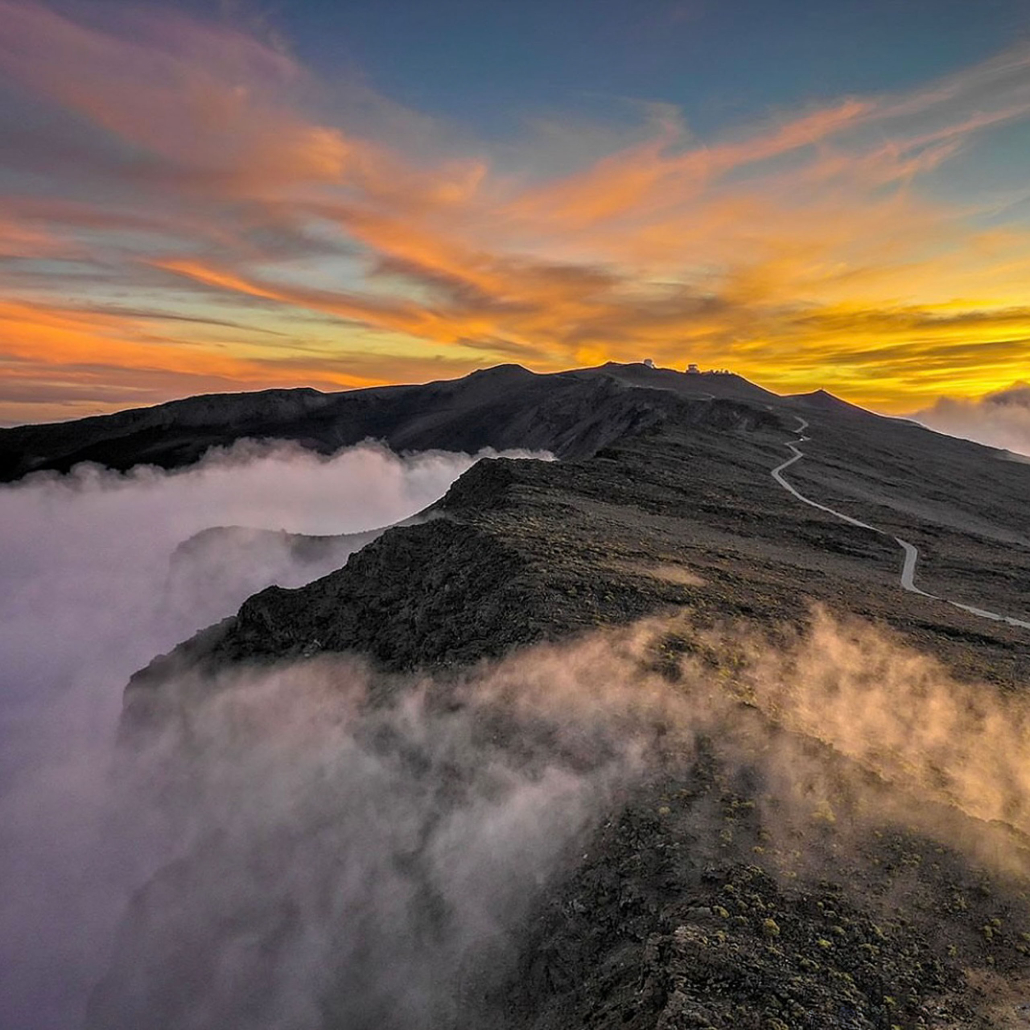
{"x": 508, "y": 369}
{"x": 821, "y": 395}
{"x": 824, "y": 400}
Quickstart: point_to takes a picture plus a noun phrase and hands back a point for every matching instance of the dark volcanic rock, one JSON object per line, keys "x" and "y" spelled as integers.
{"x": 399, "y": 601}
{"x": 643, "y": 936}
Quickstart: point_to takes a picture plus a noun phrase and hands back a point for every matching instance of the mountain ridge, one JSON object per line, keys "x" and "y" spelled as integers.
{"x": 702, "y": 465}
{"x": 504, "y": 407}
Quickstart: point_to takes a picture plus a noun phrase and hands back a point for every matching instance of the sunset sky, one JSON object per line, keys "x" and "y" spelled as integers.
{"x": 200, "y": 197}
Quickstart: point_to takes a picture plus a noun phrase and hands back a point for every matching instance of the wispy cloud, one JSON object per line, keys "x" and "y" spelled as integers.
{"x": 217, "y": 186}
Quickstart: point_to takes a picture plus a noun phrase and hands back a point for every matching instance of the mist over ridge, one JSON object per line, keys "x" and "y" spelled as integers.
{"x": 97, "y": 583}
{"x": 348, "y": 859}
{"x": 513, "y": 762}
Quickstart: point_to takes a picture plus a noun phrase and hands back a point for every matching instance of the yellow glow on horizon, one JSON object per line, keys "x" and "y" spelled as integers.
{"x": 800, "y": 252}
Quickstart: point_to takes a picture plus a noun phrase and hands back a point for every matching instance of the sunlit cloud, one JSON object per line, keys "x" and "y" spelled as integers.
{"x": 1000, "y": 419}
{"x": 226, "y": 223}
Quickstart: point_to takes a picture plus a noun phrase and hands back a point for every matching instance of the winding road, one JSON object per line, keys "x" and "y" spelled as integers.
{"x": 910, "y": 550}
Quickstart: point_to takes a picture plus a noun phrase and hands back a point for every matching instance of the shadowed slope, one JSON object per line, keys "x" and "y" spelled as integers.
{"x": 570, "y": 414}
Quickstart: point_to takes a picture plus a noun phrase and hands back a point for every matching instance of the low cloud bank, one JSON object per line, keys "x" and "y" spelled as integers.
{"x": 999, "y": 419}
{"x": 91, "y": 593}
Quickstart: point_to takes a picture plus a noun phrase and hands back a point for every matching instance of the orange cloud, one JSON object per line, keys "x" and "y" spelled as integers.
{"x": 57, "y": 336}
{"x": 802, "y": 252}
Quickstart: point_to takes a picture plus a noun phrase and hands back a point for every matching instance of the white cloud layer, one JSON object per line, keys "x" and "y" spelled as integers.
{"x": 999, "y": 419}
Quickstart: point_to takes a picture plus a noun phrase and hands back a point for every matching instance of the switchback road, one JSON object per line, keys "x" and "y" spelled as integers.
{"x": 910, "y": 550}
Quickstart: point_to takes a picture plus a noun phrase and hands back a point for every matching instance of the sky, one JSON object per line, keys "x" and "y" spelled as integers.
{"x": 200, "y": 197}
